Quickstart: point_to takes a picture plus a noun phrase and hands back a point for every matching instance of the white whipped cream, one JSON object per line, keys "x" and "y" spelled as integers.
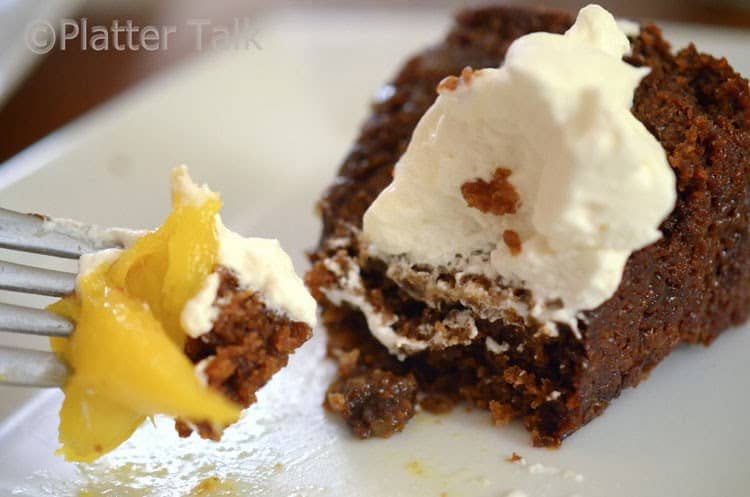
{"x": 594, "y": 184}
{"x": 190, "y": 192}
{"x": 259, "y": 264}
{"x": 351, "y": 291}
{"x": 199, "y": 313}
{"x": 200, "y": 369}
{"x": 106, "y": 236}
{"x": 494, "y": 347}
{"x": 262, "y": 265}
{"x": 88, "y": 262}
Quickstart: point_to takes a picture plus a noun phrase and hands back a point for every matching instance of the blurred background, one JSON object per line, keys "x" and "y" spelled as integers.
{"x": 41, "y": 92}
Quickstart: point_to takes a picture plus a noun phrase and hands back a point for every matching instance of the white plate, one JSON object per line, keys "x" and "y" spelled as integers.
{"x": 267, "y": 128}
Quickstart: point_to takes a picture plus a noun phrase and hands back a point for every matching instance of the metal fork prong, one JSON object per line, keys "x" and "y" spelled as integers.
{"x": 31, "y": 368}
{"x": 28, "y": 279}
{"x": 30, "y": 321}
{"x": 41, "y": 235}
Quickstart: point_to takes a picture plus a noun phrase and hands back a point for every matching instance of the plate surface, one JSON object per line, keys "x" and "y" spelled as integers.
{"x": 267, "y": 129}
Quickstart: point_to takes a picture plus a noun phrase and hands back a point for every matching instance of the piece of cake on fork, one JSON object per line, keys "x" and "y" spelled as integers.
{"x": 189, "y": 320}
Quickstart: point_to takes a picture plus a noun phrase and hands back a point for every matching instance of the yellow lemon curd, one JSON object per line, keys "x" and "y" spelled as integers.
{"x": 126, "y": 353}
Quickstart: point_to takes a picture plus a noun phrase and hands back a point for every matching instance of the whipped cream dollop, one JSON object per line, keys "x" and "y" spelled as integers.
{"x": 540, "y": 166}
{"x": 260, "y": 265}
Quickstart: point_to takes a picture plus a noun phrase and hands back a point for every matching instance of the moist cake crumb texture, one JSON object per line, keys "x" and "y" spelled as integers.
{"x": 246, "y": 346}
{"x": 451, "y": 83}
{"x": 685, "y": 288}
{"x": 515, "y": 457}
{"x": 374, "y": 402}
{"x": 496, "y": 196}
{"x": 513, "y": 240}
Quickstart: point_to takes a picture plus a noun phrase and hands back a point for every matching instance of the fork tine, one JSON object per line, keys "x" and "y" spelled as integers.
{"x": 42, "y": 235}
{"x": 32, "y": 321}
{"x": 28, "y": 279}
{"x": 31, "y": 368}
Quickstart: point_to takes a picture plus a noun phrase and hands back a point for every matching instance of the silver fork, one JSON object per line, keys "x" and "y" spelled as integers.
{"x": 54, "y": 237}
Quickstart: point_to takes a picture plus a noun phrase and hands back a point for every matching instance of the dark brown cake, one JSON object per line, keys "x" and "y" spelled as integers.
{"x": 687, "y": 287}
{"x": 249, "y": 343}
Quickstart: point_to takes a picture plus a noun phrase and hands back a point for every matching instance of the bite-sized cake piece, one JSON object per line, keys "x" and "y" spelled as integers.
{"x": 558, "y": 220}
{"x": 189, "y": 320}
